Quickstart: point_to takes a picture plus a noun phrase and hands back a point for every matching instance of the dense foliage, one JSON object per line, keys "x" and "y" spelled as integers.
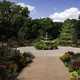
{"x": 68, "y": 35}
{"x": 12, "y": 62}
{"x": 46, "y": 45}
{"x": 12, "y": 18}
{"x": 72, "y": 61}
{"x": 17, "y": 25}
{"x": 18, "y": 28}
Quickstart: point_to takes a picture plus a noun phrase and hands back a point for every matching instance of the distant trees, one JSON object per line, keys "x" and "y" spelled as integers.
{"x": 78, "y": 28}
{"x": 68, "y": 35}
{"x": 55, "y": 30}
{"x": 15, "y": 22}
{"x": 52, "y": 28}
{"x": 43, "y": 25}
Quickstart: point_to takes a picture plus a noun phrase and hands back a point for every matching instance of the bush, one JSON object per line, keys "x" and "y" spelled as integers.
{"x": 73, "y": 63}
{"x": 78, "y": 71}
{"x": 40, "y": 45}
{"x": 12, "y": 62}
{"x": 65, "y": 57}
{"x": 24, "y": 60}
{"x": 46, "y": 45}
{"x": 73, "y": 75}
{"x": 55, "y": 46}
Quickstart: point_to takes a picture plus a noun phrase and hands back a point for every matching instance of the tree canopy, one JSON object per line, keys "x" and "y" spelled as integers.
{"x": 15, "y": 22}
{"x": 12, "y": 18}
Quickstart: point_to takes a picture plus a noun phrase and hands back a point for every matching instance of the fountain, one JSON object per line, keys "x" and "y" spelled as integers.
{"x": 46, "y": 37}
{"x": 46, "y": 43}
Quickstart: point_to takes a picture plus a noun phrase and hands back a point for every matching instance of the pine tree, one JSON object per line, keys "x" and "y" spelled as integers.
{"x": 68, "y": 34}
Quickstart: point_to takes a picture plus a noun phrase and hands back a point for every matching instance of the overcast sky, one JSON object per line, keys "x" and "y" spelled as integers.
{"x": 58, "y": 10}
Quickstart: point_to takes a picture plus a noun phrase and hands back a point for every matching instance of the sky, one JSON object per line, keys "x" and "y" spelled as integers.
{"x": 57, "y": 10}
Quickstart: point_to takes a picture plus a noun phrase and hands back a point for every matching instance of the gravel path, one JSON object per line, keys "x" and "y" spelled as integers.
{"x": 46, "y": 65}
{"x": 58, "y": 52}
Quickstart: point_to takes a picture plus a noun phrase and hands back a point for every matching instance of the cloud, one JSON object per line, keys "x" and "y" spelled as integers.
{"x": 31, "y": 8}
{"x": 71, "y": 13}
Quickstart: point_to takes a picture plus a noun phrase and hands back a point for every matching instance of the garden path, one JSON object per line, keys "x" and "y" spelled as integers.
{"x": 58, "y": 52}
{"x": 47, "y": 66}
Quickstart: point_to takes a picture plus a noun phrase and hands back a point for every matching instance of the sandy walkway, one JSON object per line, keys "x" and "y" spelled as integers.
{"x": 45, "y": 68}
{"x": 58, "y": 52}
{"x": 46, "y": 65}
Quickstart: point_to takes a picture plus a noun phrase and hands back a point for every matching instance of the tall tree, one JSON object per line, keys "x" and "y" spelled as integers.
{"x": 46, "y": 25}
{"x": 68, "y": 33}
{"x": 12, "y": 18}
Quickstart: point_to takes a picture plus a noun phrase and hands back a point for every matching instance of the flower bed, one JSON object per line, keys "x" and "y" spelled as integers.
{"x": 72, "y": 61}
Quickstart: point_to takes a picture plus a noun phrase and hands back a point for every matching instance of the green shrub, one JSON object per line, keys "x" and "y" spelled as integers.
{"x": 46, "y": 45}
{"x": 40, "y": 45}
{"x": 65, "y": 58}
{"x": 73, "y": 75}
{"x": 55, "y": 46}
{"x": 72, "y": 61}
{"x": 71, "y": 68}
{"x": 24, "y": 60}
{"x": 12, "y": 61}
